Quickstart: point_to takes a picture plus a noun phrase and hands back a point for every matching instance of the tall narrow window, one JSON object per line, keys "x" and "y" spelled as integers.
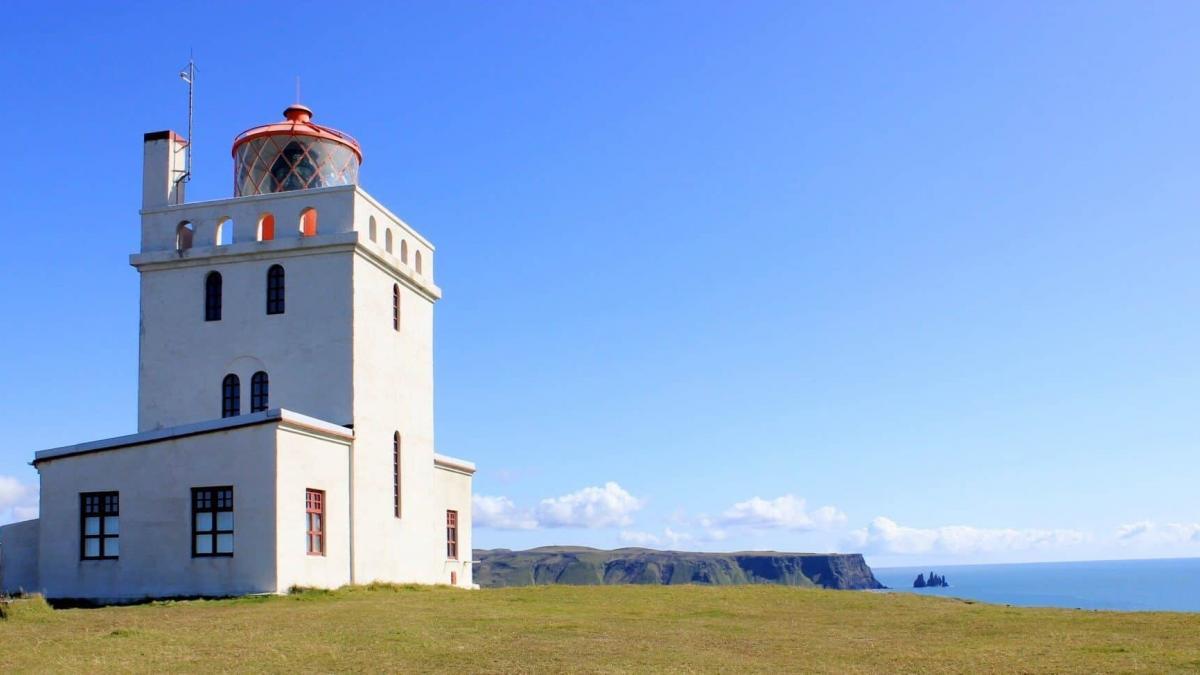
{"x": 417, "y": 256}
{"x": 266, "y": 227}
{"x": 212, "y": 522}
{"x": 308, "y": 223}
{"x": 387, "y": 240}
{"x": 212, "y": 296}
{"x": 275, "y": 290}
{"x": 404, "y": 251}
{"x": 258, "y": 392}
{"x": 396, "y": 473}
{"x": 314, "y": 509}
{"x": 231, "y": 396}
{"x": 452, "y": 535}
{"x": 99, "y": 525}
{"x": 395, "y": 307}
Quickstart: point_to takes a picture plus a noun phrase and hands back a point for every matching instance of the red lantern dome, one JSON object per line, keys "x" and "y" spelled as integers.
{"x": 294, "y": 154}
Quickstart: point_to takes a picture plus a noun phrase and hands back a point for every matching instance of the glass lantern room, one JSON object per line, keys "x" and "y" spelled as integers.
{"x": 294, "y": 154}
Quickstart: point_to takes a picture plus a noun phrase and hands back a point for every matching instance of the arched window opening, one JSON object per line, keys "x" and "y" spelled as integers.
{"x": 308, "y": 222}
{"x": 387, "y": 240}
{"x": 372, "y": 228}
{"x": 184, "y": 232}
{"x": 258, "y": 392}
{"x": 212, "y": 296}
{"x": 418, "y": 258}
{"x": 231, "y": 396}
{"x": 404, "y": 251}
{"x": 395, "y": 307}
{"x": 275, "y": 290}
{"x": 224, "y": 233}
{"x": 396, "y": 473}
{"x": 266, "y": 227}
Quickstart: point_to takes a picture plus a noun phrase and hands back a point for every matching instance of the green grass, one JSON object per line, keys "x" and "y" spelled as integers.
{"x": 593, "y": 628}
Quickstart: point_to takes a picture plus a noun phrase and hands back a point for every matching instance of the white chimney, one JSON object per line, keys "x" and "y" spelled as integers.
{"x": 163, "y": 157}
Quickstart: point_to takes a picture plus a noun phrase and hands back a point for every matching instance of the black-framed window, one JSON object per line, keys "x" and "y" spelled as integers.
{"x": 99, "y": 525}
{"x": 396, "y": 307}
{"x": 259, "y": 390}
{"x": 396, "y": 473}
{"x": 212, "y": 522}
{"x": 212, "y": 296}
{"x": 231, "y": 396}
{"x": 275, "y": 290}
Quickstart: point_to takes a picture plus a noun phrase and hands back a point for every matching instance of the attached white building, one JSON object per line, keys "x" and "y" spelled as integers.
{"x": 285, "y": 397}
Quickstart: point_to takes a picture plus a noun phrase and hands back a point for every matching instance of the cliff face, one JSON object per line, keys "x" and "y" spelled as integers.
{"x": 588, "y": 566}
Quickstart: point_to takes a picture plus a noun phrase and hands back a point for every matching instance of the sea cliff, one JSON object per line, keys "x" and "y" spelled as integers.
{"x": 589, "y": 566}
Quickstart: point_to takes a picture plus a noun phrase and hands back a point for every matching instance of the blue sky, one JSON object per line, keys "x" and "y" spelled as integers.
{"x": 914, "y": 279}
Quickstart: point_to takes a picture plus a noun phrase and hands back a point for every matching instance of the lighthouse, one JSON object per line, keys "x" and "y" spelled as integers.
{"x": 285, "y": 396}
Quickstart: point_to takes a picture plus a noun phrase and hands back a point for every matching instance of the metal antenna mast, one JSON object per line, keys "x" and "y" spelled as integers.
{"x": 188, "y": 75}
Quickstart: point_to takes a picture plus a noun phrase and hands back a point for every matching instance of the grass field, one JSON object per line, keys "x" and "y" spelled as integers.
{"x": 590, "y": 628}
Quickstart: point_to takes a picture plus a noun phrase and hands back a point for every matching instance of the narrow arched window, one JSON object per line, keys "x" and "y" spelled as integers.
{"x": 231, "y": 396}
{"x": 418, "y": 265}
{"x": 212, "y": 296}
{"x": 275, "y": 290}
{"x": 183, "y": 236}
{"x": 396, "y": 473}
{"x": 387, "y": 240}
{"x": 404, "y": 251}
{"x": 373, "y": 228}
{"x": 308, "y": 222}
{"x": 396, "y": 307}
{"x": 266, "y": 227}
{"x": 258, "y": 392}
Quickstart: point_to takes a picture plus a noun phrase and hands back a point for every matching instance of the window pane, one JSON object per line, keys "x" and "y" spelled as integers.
{"x": 112, "y": 525}
{"x": 203, "y": 544}
{"x": 316, "y": 544}
{"x": 224, "y": 543}
{"x": 91, "y": 525}
{"x": 112, "y": 546}
{"x": 91, "y": 548}
{"x": 203, "y": 522}
{"x": 316, "y": 521}
{"x": 225, "y": 520}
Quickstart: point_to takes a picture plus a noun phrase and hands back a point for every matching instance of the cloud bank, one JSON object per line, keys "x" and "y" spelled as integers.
{"x": 1166, "y": 534}
{"x": 17, "y": 500}
{"x": 788, "y": 512}
{"x": 608, "y": 505}
{"x": 884, "y": 535}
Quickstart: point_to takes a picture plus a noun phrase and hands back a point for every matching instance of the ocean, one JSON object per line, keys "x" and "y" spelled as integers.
{"x": 1129, "y": 585}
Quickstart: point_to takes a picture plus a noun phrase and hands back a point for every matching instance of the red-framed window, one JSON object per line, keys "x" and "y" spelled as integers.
{"x": 396, "y": 473}
{"x": 314, "y": 510}
{"x": 212, "y": 522}
{"x": 99, "y": 525}
{"x": 452, "y": 535}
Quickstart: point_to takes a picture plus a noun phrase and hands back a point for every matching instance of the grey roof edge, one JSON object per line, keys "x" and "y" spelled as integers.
{"x": 280, "y": 415}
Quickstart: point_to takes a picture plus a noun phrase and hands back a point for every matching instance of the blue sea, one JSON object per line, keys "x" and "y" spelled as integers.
{"x": 1129, "y": 585}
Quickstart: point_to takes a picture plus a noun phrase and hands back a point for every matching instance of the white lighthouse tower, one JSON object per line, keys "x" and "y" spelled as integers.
{"x": 285, "y": 396}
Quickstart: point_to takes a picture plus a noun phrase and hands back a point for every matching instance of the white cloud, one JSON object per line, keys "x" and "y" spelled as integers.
{"x": 669, "y": 537}
{"x": 788, "y": 512}
{"x": 1147, "y": 532}
{"x": 500, "y": 513}
{"x": 884, "y": 535}
{"x": 590, "y": 507}
{"x": 17, "y": 500}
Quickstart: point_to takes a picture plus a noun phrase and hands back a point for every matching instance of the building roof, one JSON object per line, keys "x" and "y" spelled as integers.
{"x": 288, "y": 417}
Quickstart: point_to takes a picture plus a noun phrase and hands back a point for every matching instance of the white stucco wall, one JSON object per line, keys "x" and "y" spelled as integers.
{"x": 155, "y": 482}
{"x": 453, "y": 489}
{"x": 19, "y": 558}
{"x": 307, "y": 461}
{"x": 305, "y": 351}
